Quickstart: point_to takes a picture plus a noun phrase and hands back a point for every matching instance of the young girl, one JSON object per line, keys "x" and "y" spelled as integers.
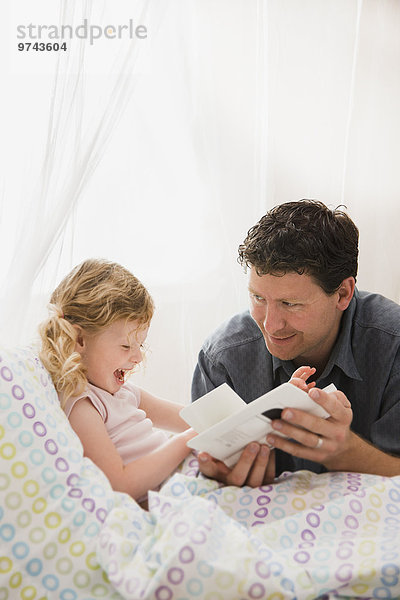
{"x": 91, "y": 342}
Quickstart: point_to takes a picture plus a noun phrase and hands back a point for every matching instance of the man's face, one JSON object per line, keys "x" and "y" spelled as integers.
{"x": 298, "y": 320}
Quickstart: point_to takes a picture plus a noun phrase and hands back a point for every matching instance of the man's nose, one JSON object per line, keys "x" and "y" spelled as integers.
{"x": 273, "y": 319}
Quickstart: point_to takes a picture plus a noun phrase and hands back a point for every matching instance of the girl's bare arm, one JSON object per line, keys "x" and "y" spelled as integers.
{"x": 137, "y": 477}
{"x": 163, "y": 413}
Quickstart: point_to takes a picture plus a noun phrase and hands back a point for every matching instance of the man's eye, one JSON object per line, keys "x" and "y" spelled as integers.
{"x": 257, "y": 298}
{"x": 126, "y": 347}
{"x": 289, "y": 304}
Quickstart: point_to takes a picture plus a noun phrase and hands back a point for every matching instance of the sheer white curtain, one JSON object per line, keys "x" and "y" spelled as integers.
{"x": 226, "y": 109}
{"x": 334, "y": 92}
{"x": 81, "y": 110}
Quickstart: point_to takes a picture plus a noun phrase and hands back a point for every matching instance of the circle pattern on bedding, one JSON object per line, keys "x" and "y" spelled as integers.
{"x": 54, "y": 501}
{"x": 305, "y": 536}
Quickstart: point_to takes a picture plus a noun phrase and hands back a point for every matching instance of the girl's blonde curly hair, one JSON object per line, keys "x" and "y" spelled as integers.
{"x": 93, "y": 296}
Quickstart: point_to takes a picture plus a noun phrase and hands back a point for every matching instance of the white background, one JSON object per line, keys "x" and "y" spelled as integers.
{"x": 161, "y": 153}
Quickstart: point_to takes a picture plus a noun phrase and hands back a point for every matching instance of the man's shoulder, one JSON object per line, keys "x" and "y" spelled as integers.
{"x": 378, "y": 312}
{"x": 239, "y": 330}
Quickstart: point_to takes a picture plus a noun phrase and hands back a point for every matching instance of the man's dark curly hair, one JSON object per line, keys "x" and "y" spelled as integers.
{"x": 303, "y": 237}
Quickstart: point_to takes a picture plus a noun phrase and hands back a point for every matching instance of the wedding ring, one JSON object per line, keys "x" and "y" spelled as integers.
{"x": 319, "y": 443}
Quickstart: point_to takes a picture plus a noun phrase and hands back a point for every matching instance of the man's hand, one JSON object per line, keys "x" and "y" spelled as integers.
{"x": 324, "y": 441}
{"x": 255, "y": 467}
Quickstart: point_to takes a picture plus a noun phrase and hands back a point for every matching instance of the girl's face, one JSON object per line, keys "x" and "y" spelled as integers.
{"x": 108, "y": 355}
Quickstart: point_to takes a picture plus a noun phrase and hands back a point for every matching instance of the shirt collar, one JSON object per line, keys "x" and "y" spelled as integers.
{"x": 341, "y": 355}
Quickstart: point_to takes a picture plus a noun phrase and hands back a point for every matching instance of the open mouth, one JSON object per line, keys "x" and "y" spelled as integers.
{"x": 119, "y": 374}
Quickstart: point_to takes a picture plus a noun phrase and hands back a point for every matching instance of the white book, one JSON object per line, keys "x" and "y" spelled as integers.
{"x": 226, "y": 424}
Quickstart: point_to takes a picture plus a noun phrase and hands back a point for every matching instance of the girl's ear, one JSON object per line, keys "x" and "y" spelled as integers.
{"x": 80, "y": 339}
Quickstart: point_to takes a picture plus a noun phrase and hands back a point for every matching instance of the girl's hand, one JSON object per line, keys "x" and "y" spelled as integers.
{"x": 300, "y": 377}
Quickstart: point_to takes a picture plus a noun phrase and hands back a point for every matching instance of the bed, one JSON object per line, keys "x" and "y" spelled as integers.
{"x": 66, "y": 535}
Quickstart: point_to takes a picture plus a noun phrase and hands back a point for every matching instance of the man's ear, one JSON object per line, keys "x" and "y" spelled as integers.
{"x": 345, "y": 292}
{"x": 80, "y": 339}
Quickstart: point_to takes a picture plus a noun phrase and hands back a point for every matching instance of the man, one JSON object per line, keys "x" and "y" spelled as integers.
{"x": 305, "y": 310}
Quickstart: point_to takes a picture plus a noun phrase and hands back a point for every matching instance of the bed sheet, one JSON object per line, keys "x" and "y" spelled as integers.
{"x": 53, "y": 500}
{"x": 307, "y": 536}
{"x": 66, "y": 535}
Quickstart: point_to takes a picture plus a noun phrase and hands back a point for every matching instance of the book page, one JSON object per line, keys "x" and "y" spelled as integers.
{"x": 226, "y": 439}
{"x": 212, "y": 408}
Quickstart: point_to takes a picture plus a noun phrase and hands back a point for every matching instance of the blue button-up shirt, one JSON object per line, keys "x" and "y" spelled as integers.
{"x": 364, "y": 364}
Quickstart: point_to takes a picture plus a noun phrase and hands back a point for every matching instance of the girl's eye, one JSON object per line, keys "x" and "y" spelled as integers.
{"x": 125, "y": 347}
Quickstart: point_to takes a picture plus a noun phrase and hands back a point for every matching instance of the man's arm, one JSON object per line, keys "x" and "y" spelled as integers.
{"x": 207, "y": 376}
{"x": 363, "y": 457}
{"x": 330, "y": 441}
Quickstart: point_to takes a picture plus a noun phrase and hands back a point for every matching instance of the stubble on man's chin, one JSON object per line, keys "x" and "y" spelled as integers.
{"x": 289, "y": 357}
